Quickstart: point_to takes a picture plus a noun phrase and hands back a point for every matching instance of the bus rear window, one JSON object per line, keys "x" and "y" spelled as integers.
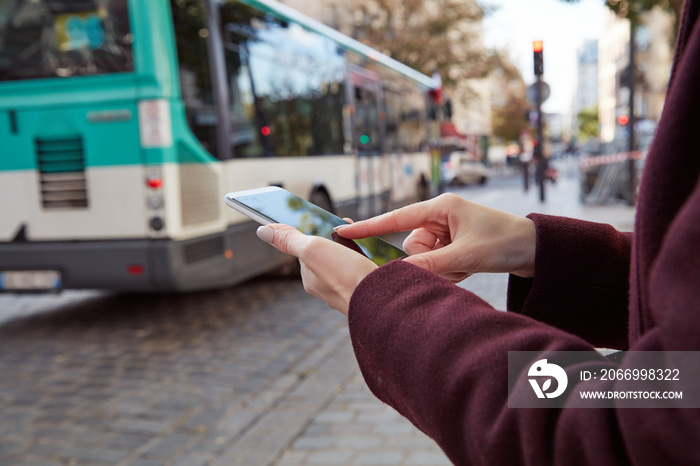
{"x": 63, "y": 38}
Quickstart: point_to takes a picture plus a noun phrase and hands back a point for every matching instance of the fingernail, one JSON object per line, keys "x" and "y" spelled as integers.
{"x": 340, "y": 227}
{"x": 266, "y": 234}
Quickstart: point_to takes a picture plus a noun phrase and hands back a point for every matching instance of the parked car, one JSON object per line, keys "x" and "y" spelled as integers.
{"x": 461, "y": 168}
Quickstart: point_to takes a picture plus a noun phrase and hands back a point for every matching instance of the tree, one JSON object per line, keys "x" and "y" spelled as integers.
{"x": 508, "y": 121}
{"x": 509, "y": 110}
{"x": 428, "y": 35}
{"x": 633, "y": 9}
{"x": 588, "y": 123}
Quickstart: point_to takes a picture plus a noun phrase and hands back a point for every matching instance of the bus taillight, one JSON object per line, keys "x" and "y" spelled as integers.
{"x": 135, "y": 269}
{"x": 154, "y": 182}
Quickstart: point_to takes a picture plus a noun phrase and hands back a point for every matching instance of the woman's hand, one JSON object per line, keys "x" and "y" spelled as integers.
{"x": 329, "y": 270}
{"x": 455, "y": 238}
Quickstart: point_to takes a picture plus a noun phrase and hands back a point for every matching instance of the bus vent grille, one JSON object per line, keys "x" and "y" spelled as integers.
{"x": 62, "y": 173}
{"x": 199, "y": 194}
{"x": 204, "y": 249}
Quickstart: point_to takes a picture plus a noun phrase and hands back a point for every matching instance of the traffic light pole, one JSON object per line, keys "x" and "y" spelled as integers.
{"x": 539, "y": 152}
{"x": 537, "y": 48}
{"x": 631, "y": 162}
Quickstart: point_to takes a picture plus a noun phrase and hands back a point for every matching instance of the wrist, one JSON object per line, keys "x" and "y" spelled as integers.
{"x": 524, "y": 248}
{"x": 345, "y": 288}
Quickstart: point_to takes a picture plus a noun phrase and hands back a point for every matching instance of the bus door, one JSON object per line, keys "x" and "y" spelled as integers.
{"x": 365, "y": 100}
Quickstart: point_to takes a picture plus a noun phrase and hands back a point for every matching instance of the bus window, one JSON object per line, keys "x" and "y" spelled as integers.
{"x": 412, "y": 124}
{"x": 46, "y": 39}
{"x": 195, "y": 75}
{"x": 286, "y": 84}
{"x": 250, "y": 127}
{"x": 366, "y": 120}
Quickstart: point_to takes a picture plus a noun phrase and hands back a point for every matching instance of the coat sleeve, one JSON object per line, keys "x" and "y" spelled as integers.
{"x": 581, "y": 282}
{"x": 438, "y": 354}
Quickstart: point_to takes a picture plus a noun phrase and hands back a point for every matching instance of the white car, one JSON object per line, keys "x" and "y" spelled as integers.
{"x": 463, "y": 169}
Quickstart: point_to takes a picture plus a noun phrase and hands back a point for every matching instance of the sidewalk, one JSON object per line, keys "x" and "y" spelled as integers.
{"x": 354, "y": 428}
{"x": 562, "y": 198}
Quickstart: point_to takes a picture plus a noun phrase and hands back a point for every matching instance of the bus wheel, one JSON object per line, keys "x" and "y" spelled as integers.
{"x": 291, "y": 268}
{"x": 423, "y": 189}
{"x": 320, "y": 197}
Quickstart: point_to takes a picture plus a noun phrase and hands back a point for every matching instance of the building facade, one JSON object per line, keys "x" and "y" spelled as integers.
{"x": 653, "y": 57}
{"x": 587, "y": 77}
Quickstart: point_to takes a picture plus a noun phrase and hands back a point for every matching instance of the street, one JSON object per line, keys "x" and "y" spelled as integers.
{"x": 258, "y": 374}
{"x": 122, "y": 379}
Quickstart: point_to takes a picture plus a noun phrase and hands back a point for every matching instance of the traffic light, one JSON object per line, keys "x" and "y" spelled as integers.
{"x": 537, "y": 47}
{"x": 622, "y": 120}
{"x": 447, "y": 108}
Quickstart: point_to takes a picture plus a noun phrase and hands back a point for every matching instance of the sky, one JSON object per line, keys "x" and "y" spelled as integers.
{"x": 562, "y": 26}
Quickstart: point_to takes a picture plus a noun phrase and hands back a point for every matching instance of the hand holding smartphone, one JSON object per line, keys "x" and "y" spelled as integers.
{"x": 276, "y": 205}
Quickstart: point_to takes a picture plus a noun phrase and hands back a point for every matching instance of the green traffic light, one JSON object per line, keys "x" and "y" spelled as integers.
{"x": 364, "y": 139}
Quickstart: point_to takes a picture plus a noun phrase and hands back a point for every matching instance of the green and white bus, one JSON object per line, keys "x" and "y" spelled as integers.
{"x": 124, "y": 122}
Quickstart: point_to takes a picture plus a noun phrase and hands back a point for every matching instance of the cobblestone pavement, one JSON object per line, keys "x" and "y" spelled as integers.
{"x": 357, "y": 429}
{"x": 259, "y": 374}
{"x": 245, "y": 376}
{"x": 147, "y": 379}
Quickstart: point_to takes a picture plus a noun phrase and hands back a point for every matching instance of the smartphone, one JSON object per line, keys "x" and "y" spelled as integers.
{"x": 276, "y": 205}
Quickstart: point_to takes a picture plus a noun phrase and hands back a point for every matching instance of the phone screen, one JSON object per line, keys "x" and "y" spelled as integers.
{"x": 281, "y": 206}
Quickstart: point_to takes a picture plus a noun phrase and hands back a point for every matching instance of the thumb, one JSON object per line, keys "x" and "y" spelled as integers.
{"x": 285, "y": 238}
{"x": 440, "y": 261}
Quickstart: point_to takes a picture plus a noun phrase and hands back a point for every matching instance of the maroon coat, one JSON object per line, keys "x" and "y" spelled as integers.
{"x": 438, "y": 353}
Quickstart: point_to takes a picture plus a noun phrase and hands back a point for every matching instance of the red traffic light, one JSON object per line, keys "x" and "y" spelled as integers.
{"x": 622, "y": 120}
{"x": 537, "y": 47}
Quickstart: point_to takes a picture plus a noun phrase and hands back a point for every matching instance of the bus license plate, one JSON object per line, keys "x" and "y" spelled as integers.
{"x": 30, "y": 280}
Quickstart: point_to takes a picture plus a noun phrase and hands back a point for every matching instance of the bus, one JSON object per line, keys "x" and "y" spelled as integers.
{"x": 124, "y": 122}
